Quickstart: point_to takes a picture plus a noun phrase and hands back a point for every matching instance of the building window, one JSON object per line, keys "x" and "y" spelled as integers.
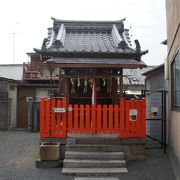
{"x": 45, "y": 92}
{"x": 42, "y": 92}
{"x": 175, "y": 69}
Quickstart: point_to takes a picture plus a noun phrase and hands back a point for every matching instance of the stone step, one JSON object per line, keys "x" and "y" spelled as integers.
{"x": 85, "y": 135}
{"x": 96, "y": 178}
{"x": 93, "y": 171}
{"x": 95, "y": 148}
{"x": 110, "y": 141}
{"x": 91, "y": 163}
{"x": 94, "y": 155}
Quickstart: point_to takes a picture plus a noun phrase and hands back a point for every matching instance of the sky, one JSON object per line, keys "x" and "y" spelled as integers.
{"x": 24, "y": 23}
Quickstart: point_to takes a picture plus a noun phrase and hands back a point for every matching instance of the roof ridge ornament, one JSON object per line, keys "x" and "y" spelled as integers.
{"x": 52, "y": 39}
{"x": 53, "y": 18}
{"x": 138, "y": 47}
{"x": 44, "y": 44}
{"x": 118, "y": 40}
{"x": 59, "y": 42}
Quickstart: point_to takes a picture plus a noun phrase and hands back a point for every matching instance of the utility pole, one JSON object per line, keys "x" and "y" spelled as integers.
{"x": 14, "y": 42}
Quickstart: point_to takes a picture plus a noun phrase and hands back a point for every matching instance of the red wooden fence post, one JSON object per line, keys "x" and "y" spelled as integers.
{"x": 58, "y": 121}
{"x": 99, "y": 119}
{"x": 64, "y": 118}
{"x": 70, "y": 118}
{"x": 53, "y": 126}
{"x": 76, "y": 118}
{"x": 105, "y": 119}
{"x": 88, "y": 122}
{"x": 122, "y": 118}
{"x": 132, "y": 123}
{"x": 93, "y": 116}
{"x": 110, "y": 119}
{"x": 116, "y": 118}
{"x": 42, "y": 118}
{"x": 47, "y": 117}
{"x": 127, "y": 107}
{"x": 81, "y": 118}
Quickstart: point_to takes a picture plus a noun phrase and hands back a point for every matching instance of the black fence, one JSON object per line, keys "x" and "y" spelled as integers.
{"x": 156, "y": 115}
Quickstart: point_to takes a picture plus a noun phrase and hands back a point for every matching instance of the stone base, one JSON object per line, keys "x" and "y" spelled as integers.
{"x": 134, "y": 152}
{"x": 49, "y": 164}
{"x": 49, "y": 151}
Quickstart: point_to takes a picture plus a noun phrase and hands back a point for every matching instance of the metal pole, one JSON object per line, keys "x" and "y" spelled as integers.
{"x": 164, "y": 118}
{"x": 50, "y": 120}
{"x": 35, "y": 120}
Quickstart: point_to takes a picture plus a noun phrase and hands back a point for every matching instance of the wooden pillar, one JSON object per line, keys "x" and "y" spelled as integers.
{"x": 121, "y": 83}
{"x": 66, "y": 89}
{"x": 94, "y": 92}
{"x": 61, "y": 84}
{"x": 114, "y": 91}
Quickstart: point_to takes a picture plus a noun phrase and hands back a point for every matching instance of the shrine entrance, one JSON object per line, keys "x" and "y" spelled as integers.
{"x": 91, "y": 85}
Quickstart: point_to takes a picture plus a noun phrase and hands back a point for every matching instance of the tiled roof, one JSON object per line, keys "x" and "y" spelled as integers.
{"x": 86, "y": 62}
{"x": 90, "y": 42}
{"x": 89, "y": 37}
{"x": 134, "y": 76}
{"x": 11, "y": 71}
{"x": 155, "y": 68}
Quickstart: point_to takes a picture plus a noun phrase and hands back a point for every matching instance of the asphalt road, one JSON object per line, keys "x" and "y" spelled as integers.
{"x": 19, "y": 149}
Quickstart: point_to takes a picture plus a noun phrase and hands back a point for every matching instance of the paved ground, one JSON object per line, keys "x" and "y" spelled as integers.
{"x": 19, "y": 149}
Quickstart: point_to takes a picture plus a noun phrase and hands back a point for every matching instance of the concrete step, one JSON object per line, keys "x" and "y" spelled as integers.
{"x": 94, "y": 155}
{"x": 110, "y": 141}
{"x": 91, "y": 163}
{"x": 96, "y": 178}
{"x": 93, "y": 171}
{"x": 95, "y": 148}
{"x": 80, "y": 135}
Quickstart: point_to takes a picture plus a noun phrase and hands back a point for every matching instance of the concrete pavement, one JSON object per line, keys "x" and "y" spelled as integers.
{"x": 19, "y": 149}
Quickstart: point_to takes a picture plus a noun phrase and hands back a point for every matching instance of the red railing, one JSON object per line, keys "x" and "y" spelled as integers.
{"x": 126, "y": 119}
{"x": 52, "y": 124}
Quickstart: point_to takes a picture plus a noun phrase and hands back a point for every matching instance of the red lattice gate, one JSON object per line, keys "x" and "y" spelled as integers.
{"x": 128, "y": 119}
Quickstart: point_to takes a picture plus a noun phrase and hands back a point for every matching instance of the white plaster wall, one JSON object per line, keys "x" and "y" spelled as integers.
{"x": 175, "y": 133}
{"x": 173, "y": 45}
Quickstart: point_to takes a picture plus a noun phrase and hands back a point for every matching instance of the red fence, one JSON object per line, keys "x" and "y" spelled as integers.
{"x": 127, "y": 119}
